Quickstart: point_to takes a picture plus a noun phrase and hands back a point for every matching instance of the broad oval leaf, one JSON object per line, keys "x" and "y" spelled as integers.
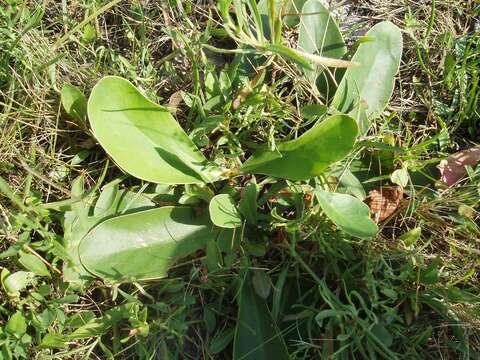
{"x": 412, "y": 236}
{"x": 348, "y": 213}
{"x": 143, "y": 138}
{"x": 257, "y": 336}
{"x": 350, "y": 184}
{"x": 74, "y": 102}
{"x": 78, "y": 222}
{"x": 54, "y": 341}
{"x": 312, "y": 111}
{"x": 223, "y": 212}
{"x": 33, "y": 264}
{"x": 290, "y": 16}
{"x": 308, "y": 155}
{"x": 293, "y": 9}
{"x": 106, "y": 199}
{"x": 400, "y": 177}
{"x": 18, "y": 281}
{"x": 319, "y": 35}
{"x": 261, "y": 284}
{"x": 213, "y": 258}
{"x": 142, "y": 245}
{"x": 370, "y": 85}
{"x": 17, "y": 324}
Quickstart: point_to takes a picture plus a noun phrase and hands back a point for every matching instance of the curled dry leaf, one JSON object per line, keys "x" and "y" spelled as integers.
{"x": 454, "y": 169}
{"x": 384, "y": 201}
{"x": 174, "y": 101}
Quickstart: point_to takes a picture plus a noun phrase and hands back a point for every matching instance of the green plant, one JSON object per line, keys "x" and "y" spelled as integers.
{"x": 123, "y": 238}
{"x": 267, "y": 272}
{"x": 124, "y": 120}
{"x": 144, "y": 139}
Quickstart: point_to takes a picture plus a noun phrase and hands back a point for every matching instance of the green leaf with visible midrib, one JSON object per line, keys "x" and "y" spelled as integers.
{"x": 319, "y": 35}
{"x": 248, "y": 204}
{"x": 143, "y": 245}
{"x": 290, "y": 54}
{"x": 34, "y": 264}
{"x": 74, "y": 103}
{"x": 257, "y": 336}
{"x": 291, "y": 7}
{"x": 370, "y": 85}
{"x": 348, "y": 213}
{"x": 79, "y": 221}
{"x": 223, "y": 212}
{"x": 143, "y": 138}
{"x": 308, "y": 155}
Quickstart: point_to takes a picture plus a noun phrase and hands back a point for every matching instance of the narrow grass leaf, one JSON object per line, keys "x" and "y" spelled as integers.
{"x": 6, "y": 190}
{"x": 290, "y": 54}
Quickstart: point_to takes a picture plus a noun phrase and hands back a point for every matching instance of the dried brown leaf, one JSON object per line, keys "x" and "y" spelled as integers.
{"x": 384, "y": 201}
{"x": 453, "y": 169}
